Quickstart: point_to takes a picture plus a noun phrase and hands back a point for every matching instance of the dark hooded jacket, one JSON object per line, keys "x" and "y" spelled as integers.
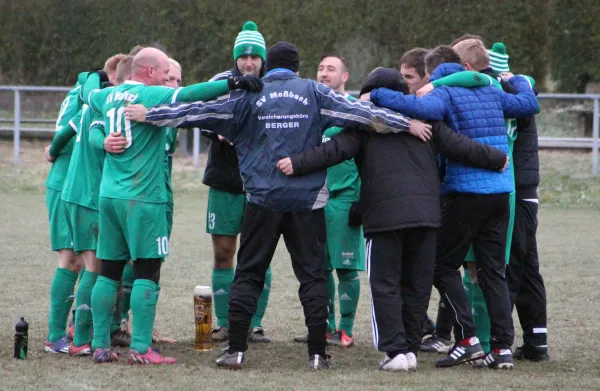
{"x": 222, "y": 167}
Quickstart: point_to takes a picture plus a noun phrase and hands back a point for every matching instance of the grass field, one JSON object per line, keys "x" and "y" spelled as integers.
{"x": 569, "y": 222}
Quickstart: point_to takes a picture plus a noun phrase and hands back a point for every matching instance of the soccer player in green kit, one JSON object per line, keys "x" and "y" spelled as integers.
{"x": 66, "y": 274}
{"x": 133, "y": 224}
{"x": 345, "y": 247}
{"x": 61, "y": 239}
{"x": 80, "y": 196}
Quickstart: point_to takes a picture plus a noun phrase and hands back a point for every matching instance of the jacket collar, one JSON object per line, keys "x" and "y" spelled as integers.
{"x": 446, "y": 69}
{"x": 280, "y": 74}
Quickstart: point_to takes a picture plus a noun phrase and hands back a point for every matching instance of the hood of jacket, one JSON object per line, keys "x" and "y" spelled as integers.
{"x": 446, "y": 69}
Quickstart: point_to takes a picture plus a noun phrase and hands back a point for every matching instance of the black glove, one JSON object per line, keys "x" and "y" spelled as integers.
{"x": 103, "y": 75}
{"x": 246, "y": 82}
{"x": 354, "y": 217}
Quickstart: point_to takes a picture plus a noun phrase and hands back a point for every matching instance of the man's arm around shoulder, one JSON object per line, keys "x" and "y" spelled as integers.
{"x": 343, "y": 146}
{"x": 461, "y": 148}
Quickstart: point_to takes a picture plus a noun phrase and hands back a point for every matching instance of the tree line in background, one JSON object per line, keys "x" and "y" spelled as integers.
{"x": 48, "y": 42}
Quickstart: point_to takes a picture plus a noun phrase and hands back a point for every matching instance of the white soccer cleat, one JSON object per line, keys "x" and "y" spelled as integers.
{"x": 411, "y": 360}
{"x": 396, "y": 364}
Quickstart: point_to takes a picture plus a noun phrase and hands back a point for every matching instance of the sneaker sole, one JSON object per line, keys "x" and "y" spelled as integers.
{"x": 106, "y": 362}
{"x": 85, "y": 352}
{"x": 393, "y": 369}
{"x": 503, "y": 366}
{"x": 52, "y": 351}
{"x": 533, "y": 359}
{"x": 230, "y": 367}
{"x": 473, "y": 357}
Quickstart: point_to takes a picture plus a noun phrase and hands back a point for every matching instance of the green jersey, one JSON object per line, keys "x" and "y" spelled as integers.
{"x": 343, "y": 181}
{"x": 138, "y": 173}
{"x": 82, "y": 185}
{"x": 170, "y": 147}
{"x": 68, "y": 109}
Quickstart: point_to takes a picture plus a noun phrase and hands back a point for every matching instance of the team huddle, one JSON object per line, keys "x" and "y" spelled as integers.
{"x": 435, "y": 165}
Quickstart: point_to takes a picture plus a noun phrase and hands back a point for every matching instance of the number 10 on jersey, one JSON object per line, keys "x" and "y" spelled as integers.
{"x": 118, "y": 120}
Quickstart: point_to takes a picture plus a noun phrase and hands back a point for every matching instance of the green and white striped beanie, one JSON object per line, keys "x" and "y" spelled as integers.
{"x": 249, "y": 42}
{"x": 498, "y": 58}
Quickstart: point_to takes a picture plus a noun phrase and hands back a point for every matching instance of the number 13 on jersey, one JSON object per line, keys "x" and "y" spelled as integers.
{"x": 117, "y": 120}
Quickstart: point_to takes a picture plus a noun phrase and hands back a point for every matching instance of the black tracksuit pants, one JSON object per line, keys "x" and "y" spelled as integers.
{"x": 304, "y": 235}
{"x": 400, "y": 265}
{"x": 525, "y": 283}
{"x": 481, "y": 220}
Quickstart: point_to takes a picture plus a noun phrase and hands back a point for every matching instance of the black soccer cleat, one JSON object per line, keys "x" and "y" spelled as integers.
{"x": 532, "y": 353}
{"x": 231, "y": 360}
{"x": 497, "y": 359}
{"x": 460, "y": 354}
{"x": 319, "y": 363}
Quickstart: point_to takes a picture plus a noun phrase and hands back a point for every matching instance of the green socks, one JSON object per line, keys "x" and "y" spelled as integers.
{"x": 126, "y": 285}
{"x": 481, "y": 317}
{"x": 331, "y": 294}
{"x": 263, "y": 300}
{"x": 349, "y": 293}
{"x": 221, "y": 282}
{"x": 143, "y": 308}
{"x": 83, "y": 314}
{"x": 104, "y": 299}
{"x": 61, "y": 290}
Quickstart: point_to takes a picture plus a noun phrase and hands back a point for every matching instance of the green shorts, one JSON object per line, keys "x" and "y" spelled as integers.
{"x": 511, "y": 224}
{"x": 132, "y": 229}
{"x": 60, "y": 237}
{"x": 83, "y": 226}
{"x": 169, "y": 219}
{"x": 225, "y": 212}
{"x": 345, "y": 246}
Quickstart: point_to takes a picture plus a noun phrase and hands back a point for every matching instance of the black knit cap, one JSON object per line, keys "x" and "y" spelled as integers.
{"x": 384, "y": 78}
{"x": 283, "y": 55}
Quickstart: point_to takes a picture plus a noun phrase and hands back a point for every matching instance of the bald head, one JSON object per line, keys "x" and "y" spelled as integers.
{"x": 151, "y": 67}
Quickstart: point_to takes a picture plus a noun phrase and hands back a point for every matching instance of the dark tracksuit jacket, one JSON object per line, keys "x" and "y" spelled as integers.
{"x": 476, "y": 203}
{"x": 288, "y": 116}
{"x": 400, "y": 206}
{"x": 525, "y": 282}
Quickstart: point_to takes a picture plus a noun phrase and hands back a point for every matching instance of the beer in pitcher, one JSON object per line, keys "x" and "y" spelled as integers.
{"x": 203, "y": 317}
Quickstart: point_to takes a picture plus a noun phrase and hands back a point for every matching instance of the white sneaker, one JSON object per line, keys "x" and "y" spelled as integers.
{"x": 411, "y": 361}
{"x": 396, "y": 364}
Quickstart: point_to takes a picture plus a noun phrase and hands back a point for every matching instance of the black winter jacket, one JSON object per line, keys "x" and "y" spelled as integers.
{"x": 222, "y": 167}
{"x": 526, "y": 161}
{"x": 399, "y": 174}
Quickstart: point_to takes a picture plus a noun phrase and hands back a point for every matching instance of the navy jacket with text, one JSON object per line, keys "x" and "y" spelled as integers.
{"x": 287, "y": 117}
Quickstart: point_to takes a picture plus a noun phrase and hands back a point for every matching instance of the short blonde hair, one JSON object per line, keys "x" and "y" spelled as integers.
{"x": 473, "y": 51}
{"x": 174, "y": 63}
{"x": 136, "y": 49}
{"x": 110, "y": 66}
{"x": 124, "y": 69}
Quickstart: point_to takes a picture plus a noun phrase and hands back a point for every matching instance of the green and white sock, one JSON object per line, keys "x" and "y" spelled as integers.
{"x": 481, "y": 318}
{"x": 331, "y": 295}
{"x": 143, "y": 308}
{"x": 221, "y": 282}
{"x": 349, "y": 293}
{"x": 61, "y": 290}
{"x": 83, "y": 314}
{"x": 126, "y": 286}
{"x": 263, "y": 301}
{"x": 104, "y": 299}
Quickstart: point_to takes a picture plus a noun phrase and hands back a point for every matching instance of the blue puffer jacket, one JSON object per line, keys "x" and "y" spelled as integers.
{"x": 287, "y": 117}
{"x": 477, "y": 113}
